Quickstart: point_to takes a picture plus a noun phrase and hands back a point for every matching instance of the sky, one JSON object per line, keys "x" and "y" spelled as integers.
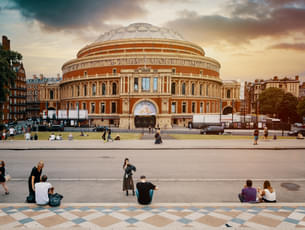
{"x": 252, "y": 39}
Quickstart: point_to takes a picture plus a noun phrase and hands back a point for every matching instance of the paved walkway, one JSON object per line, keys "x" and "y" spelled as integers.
{"x": 156, "y": 216}
{"x": 149, "y": 144}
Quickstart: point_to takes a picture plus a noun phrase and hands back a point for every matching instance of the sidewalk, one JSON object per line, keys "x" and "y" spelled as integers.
{"x": 149, "y": 144}
{"x": 156, "y": 216}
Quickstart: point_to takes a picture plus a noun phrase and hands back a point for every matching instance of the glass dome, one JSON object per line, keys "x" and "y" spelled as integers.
{"x": 140, "y": 30}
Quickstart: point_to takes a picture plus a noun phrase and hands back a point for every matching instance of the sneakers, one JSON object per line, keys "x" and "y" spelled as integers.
{"x": 6, "y": 193}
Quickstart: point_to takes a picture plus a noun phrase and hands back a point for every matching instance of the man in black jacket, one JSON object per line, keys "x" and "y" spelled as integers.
{"x": 145, "y": 191}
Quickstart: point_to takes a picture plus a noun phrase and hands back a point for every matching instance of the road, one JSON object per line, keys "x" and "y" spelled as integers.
{"x": 182, "y": 175}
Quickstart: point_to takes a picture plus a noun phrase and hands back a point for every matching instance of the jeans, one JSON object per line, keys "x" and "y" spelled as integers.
{"x": 151, "y": 194}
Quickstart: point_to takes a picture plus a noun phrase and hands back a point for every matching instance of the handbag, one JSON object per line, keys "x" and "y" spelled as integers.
{"x": 7, "y": 177}
{"x": 55, "y": 200}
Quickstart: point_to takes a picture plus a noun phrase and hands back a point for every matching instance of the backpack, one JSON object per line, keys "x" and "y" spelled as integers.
{"x": 30, "y": 198}
{"x": 55, "y": 200}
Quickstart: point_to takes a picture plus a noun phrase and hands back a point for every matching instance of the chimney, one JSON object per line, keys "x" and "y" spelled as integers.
{"x": 6, "y": 44}
{"x": 41, "y": 76}
{"x": 297, "y": 78}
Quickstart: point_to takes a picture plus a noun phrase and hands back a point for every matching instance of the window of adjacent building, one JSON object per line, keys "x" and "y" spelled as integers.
{"x": 228, "y": 93}
{"x": 84, "y": 106}
{"x": 103, "y": 89}
{"x": 201, "y": 107}
{"x": 103, "y": 107}
{"x": 173, "y": 107}
{"x": 114, "y": 88}
{"x": 173, "y": 70}
{"x": 207, "y": 107}
{"x": 145, "y": 84}
{"x": 93, "y": 90}
{"x": 113, "y": 107}
{"x": 183, "y": 107}
{"x": 51, "y": 94}
{"x": 85, "y": 90}
{"x": 155, "y": 86}
{"x": 173, "y": 89}
{"x": 193, "y": 107}
{"x": 183, "y": 89}
{"x": 193, "y": 89}
{"x": 85, "y": 74}
{"x": 136, "y": 84}
{"x": 201, "y": 72}
{"x": 114, "y": 71}
{"x": 92, "y": 107}
{"x": 78, "y": 92}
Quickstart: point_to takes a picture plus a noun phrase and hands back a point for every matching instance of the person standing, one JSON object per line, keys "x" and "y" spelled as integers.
{"x": 145, "y": 191}
{"x": 127, "y": 180}
{"x": 12, "y": 132}
{"x": 158, "y": 139}
{"x": 255, "y": 134}
{"x": 109, "y": 135}
{"x": 35, "y": 177}
{"x": 2, "y": 177}
{"x": 265, "y": 133}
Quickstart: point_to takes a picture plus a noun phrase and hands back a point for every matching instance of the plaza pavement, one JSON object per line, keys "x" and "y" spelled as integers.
{"x": 149, "y": 144}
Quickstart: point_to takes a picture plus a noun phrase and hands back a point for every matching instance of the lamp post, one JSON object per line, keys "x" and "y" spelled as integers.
{"x": 220, "y": 110}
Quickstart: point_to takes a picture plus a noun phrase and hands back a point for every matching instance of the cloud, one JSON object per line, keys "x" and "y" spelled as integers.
{"x": 289, "y": 46}
{"x": 246, "y": 20}
{"x": 77, "y": 14}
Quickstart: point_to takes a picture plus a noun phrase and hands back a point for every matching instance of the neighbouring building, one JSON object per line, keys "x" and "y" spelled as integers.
{"x": 302, "y": 90}
{"x": 230, "y": 94}
{"x": 254, "y": 89}
{"x": 14, "y": 109}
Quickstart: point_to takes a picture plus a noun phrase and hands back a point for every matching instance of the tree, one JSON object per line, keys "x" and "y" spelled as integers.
{"x": 288, "y": 108}
{"x": 301, "y": 108}
{"x": 270, "y": 100}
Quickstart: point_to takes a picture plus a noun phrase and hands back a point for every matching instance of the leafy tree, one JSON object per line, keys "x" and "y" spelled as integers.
{"x": 288, "y": 108}
{"x": 270, "y": 100}
{"x": 301, "y": 108}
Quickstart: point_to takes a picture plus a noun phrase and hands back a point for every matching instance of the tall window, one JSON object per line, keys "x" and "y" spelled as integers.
{"x": 93, "y": 90}
{"x": 114, "y": 71}
{"x": 72, "y": 91}
{"x": 85, "y": 90}
{"x": 183, "y": 107}
{"x": 201, "y": 107}
{"x": 193, "y": 89}
{"x": 84, "y": 106}
{"x": 207, "y": 90}
{"x": 155, "y": 84}
{"x": 103, "y": 89}
{"x": 51, "y": 94}
{"x": 173, "y": 88}
{"x": 113, "y": 88}
{"x": 103, "y": 108}
{"x": 200, "y": 90}
{"x": 85, "y": 74}
{"x": 173, "y": 107}
{"x": 136, "y": 84}
{"x": 193, "y": 107}
{"x": 78, "y": 92}
{"x": 145, "y": 83}
{"x": 228, "y": 93}
{"x": 92, "y": 107}
{"x": 183, "y": 88}
{"x": 207, "y": 107}
{"x": 113, "y": 107}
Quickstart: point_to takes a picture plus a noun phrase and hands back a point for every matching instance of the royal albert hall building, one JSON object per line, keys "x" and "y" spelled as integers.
{"x": 140, "y": 76}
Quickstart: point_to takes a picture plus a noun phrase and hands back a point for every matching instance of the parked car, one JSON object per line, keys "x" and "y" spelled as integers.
{"x": 56, "y": 128}
{"x": 296, "y": 131}
{"x": 212, "y": 130}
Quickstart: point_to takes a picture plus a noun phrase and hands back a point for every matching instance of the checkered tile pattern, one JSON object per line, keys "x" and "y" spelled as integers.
{"x": 147, "y": 217}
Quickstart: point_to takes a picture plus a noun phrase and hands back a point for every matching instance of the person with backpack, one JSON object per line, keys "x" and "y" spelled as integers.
{"x": 34, "y": 178}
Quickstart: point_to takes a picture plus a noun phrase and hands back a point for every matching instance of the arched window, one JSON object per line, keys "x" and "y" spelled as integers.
{"x": 51, "y": 94}
{"x": 103, "y": 89}
{"x": 113, "y": 88}
{"x": 93, "y": 90}
{"x": 228, "y": 93}
{"x": 173, "y": 88}
{"x": 193, "y": 89}
{"x": 183, "y": 89}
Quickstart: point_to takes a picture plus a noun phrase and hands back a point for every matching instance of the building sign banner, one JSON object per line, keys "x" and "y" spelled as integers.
{"x": 52, "y": 114}
{"x": 62, "y": 114}
{"x": 83, "y": 114}
{"x": 73, "y": 114}
{"x": 145, "y": 108}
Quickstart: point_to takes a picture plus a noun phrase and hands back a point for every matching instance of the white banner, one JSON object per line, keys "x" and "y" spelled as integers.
{"x": 52, "y": 114}
{"x": 83, "y": 114}
{"x": 62, "y": 114}
{"x": 72, "y": 114}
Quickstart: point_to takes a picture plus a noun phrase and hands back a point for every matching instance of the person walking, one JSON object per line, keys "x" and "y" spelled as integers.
{"x": 158, "y": 139}
{"x": 127, "y": 180}
{"x": 35, "y": 177}
{"x": 2, "y": 177}
{"x": 109, "y": 135}
{"x": 255, "y": 134}
{"x": 265, "y": 133}
{"x": 104, "y": 135}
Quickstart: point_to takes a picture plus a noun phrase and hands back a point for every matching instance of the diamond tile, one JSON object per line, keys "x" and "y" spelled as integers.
{"x": 26, "y": 220}
{"x": 185, "y": 220}
{"x": 158, "y": 221}
{"x": 265, "y": 221}
{"x": 52, "y": 221}
{"x": 131, "y": 220}
{"x": 105, "y": 221}
{"x": 211, "y": 221}
{"x": 79, "y": 220}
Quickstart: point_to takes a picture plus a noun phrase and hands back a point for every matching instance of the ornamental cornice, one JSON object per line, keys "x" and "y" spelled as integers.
{"x": 141, "y": 59}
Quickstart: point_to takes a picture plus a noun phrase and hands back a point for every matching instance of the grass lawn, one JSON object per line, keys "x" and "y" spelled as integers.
{"x": 217, "y": 137}
{"x": 76, "y": 135}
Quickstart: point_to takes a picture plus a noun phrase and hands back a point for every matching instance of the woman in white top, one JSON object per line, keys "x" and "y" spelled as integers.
{"x": 268, "y": 193}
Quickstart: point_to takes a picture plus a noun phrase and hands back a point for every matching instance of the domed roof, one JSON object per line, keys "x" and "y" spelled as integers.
{"x": 139, "y": 30}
